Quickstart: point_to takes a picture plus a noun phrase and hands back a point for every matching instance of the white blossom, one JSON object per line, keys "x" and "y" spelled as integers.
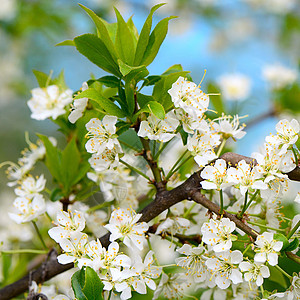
{"x": 254, "y": 271}
{"x": 102, "y": 134}
{"x": 29, "y": 208}
{"x": 287, "y": 135}
{"x": 193, "y": 261}
{"x": 201, "y": 146}
{"x": 215, "y": 176}
{"x": 229, "y": 128}
{"x": 108, "y": 159}
{"x": 170, "y": 286}
{"x": 49, "y": 102}
{"x": 217, "y": 233}
{"x": 188, "y": 96}
{"x": 224, "y": 268}
{"x": 267, "y": 249}
{"x": 69, "y": 223}
{"x": 245, "y": 177}
{"x": 31, "y": 187}
{"x": 122, "y": 225}
{"x": 157, "y": 129}
{"x": 78, "y": 106}
{"x": 74, "y": 248}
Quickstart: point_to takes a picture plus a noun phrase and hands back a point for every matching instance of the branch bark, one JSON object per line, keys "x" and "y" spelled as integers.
{"x": 164, "y": 199}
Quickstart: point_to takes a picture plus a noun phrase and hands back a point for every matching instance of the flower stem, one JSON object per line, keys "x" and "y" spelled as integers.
{"x": 221, "y": 202}
{"x": 48, "y": 216}
{"x": 39, "y": 234}
{"x": 293, "y": 230}
{"x": 283, "y": 272}
{"x": 172, "y": 171}
{"x": 161, "y": 149}
{"x": 296, "y": 156}
{"x": 134, "y": 169}
{"x": 264, "y": 226}
{"x": 21, "y": 251}
{"x": 109, "y": 295}
{"x": 248, "y": 204}
{"x": 221, "y": 147}
{"x": 240, "y": 215}
{"x": 246, "y": 249}
{"x": 189, "y": 210}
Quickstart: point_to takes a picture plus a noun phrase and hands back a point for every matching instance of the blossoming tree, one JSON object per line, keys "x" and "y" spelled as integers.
{"x": 221, "y": 211}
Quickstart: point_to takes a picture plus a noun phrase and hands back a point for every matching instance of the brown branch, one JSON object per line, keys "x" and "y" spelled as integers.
{"x": 164, "y": 199}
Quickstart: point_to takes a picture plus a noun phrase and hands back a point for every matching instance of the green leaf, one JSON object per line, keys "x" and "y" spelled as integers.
{"x": 109, "y": 81}
{"x": 293, "y": 245}
{"x": 277, "y": 277}
{"x": 282, "y": 238}
{"x": 87, "y": 285}
{"x": 105, "y": 103}
{"x": 184, "y": 135}
{"x": 60, "y": 81}
{"x": 77, "y": 281}
{"x": 70, "y": 160}
{"x": 157, "y": 109}
{"x": 56, "y": 195}
{"x": 42, "y": 78}
{"x": 160, "y": 91}
{"x": 134, "y": 31}
{"x": 144, "y": 99}
{"x": 102, "y": 32}
{"x": 144, "y": 36}
{"x": 66, "y": 43}
{"x": 95, "y": 50}
{"x": 129, "y": 93}
{"x": 53, "y": 158}
{"x": 84, "y": 167}
{"x": 93, "y": 286}
{"x": 151, "y": 80}
{"x": 133, "y": 73}
{"x": 155, "y": 40}
{"x": 124, "y": 40}
{"x": 173, "y": 69}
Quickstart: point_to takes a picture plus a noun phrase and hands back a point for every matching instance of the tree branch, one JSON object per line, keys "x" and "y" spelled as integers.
{"x": 164, "y": 199}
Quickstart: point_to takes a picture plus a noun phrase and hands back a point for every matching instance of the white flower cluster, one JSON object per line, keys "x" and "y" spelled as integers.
{"x": 215, "y": 264}
{"x": 116, "y": 270}
{"x": 29, "y": 203}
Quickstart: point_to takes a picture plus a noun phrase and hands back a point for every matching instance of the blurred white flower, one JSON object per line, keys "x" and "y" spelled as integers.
{"x": 254, "y": 272}
{"x": 279, "y": 76}
{"x": 235, "y": 86}
{"x": 49, "y": 102}
{"x": 31, "y": 187}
